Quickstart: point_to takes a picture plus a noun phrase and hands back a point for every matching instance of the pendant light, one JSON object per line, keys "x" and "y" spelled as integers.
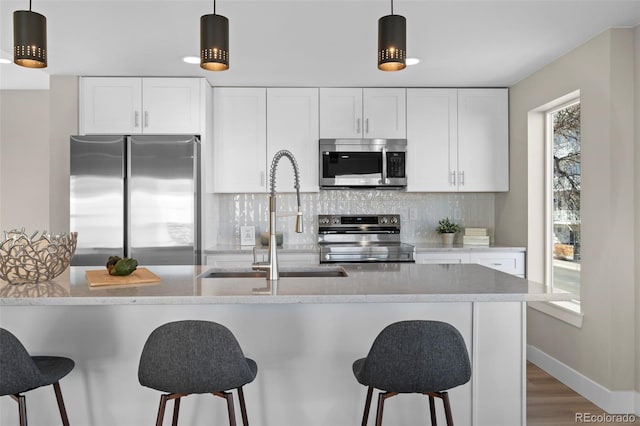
{"x": 214, "y": 41}
{"x": 29, "y": 38}
{"x": 392, "y": 42}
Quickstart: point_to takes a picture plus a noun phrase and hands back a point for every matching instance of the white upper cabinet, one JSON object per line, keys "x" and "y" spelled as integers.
{"x": 292, "y": 124}
{"x": 432, "y": 126}
{"x": 171, "y": 105}
{"x": 363, "y": 113}
{"x": 385, "y": 113}
{"x": 457, "y": 140}
{"x": 110, "y": 105}
{"x": 133, "y": 105}
{"x": 240, "y": 139}
{"x": 340, "y": 113}
{"x": 483, "y": 139}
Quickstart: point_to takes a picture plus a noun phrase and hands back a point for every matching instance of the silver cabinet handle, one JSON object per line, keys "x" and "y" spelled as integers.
{"x": 136, "y": 119}
{"x": 366, "y": 126}
{"x": 462, "y": 177}
{"x": 358, "y": 125}
{"x": 452, "y": 178}
{"x": 146, "y": 119}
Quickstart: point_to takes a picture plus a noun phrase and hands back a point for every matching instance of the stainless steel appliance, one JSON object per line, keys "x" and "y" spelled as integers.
{"x": 135, "y": 196}
{"x": 362, "y": 238}
{"x": 379, "y": 163}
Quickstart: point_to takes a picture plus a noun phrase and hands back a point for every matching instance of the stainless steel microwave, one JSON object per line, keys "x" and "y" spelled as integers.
{"x": 349, "y": 163}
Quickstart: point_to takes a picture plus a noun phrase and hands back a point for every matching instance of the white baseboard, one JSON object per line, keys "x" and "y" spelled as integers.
{"x": 612, "y": 402}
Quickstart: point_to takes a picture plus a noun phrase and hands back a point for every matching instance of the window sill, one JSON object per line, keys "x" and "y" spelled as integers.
{"x": 567, "y": 311}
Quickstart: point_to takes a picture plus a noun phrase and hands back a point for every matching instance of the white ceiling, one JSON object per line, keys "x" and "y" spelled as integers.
{"x": 313, "y": 42}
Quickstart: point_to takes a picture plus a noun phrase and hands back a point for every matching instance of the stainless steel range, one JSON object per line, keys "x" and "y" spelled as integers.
{"x": 362, "y": 238}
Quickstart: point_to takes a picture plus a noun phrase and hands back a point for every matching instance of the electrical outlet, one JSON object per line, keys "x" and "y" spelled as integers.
{"x": 413, "y": 213}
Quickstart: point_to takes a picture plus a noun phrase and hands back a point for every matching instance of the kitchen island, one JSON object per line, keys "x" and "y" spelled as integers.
{"x": 304, "y": 334}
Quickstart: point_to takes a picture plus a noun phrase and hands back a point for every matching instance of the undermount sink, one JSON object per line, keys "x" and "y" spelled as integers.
{"x": 302, "y": 272}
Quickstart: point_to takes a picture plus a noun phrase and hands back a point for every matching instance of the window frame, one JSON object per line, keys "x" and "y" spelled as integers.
{"x": 575, "y": 304}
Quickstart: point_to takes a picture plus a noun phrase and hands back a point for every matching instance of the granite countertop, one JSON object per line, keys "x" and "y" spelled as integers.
{"x": 365, "y": 283}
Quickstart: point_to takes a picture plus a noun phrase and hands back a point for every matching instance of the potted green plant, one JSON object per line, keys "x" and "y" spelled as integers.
{"x": 448, "y": 230}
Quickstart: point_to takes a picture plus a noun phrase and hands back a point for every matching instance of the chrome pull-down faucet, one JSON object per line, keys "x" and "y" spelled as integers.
{"x": 271, "y": 265}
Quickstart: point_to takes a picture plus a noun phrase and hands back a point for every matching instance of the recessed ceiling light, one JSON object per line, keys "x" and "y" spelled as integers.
{"x": 4, "y": 61}
{"x": 412, "y": 61}
{"x": 191, "y": 59}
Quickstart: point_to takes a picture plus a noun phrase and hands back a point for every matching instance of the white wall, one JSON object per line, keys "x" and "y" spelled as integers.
{"x": 604, "y": 349}
{"x": 34, "y": 159}
{"x": 24, "y": 154}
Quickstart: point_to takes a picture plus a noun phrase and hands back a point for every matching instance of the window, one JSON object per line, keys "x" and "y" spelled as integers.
{"x": 563, "y": 173}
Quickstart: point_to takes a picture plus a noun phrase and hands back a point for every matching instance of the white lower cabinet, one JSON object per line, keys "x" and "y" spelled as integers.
{"x": 511, "y": 262}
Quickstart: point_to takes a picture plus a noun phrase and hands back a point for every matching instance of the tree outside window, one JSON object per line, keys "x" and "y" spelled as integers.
{"x": 565, "y": 194}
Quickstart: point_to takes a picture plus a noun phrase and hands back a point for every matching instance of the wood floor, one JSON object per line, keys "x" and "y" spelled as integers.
{"x": 550, "y": 403}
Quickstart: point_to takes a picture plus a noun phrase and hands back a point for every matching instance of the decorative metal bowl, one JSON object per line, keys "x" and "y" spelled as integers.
{"x": 41, "y": 256}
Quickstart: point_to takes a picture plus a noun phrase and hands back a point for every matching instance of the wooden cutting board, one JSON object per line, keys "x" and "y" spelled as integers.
{"x": 101, "y": 277}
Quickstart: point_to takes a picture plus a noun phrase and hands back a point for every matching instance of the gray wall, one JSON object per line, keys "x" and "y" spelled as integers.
{"x": 34, "y": 160}
{"x": 604, "y": 349}
{"x": 637, "y": 206}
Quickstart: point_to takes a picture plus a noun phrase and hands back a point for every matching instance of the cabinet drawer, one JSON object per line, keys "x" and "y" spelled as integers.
{"x": 511, "y": 263}
{"x": 442, "y": 258}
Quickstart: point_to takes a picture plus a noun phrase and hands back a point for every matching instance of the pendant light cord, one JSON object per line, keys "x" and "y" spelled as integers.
{"x": 29, "y": 5}
{"x": 214, "y": 6}
{"x": 391, "y": 6}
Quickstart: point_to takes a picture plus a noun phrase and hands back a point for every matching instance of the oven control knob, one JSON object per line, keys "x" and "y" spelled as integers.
{"x": 394, "y": 220}
{"x": 324, "y": 220}
{"x": 384, "y": 219}
{"x": 336, "y": 221}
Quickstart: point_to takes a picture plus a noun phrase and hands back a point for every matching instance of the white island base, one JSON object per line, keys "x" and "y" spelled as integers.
{"x": 304, "y": 353}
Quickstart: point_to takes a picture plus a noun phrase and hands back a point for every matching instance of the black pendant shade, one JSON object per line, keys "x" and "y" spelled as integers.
{"x": 392, "y": 43}
{"x": 214, "y": 42}
{"x": 29, "y": 39}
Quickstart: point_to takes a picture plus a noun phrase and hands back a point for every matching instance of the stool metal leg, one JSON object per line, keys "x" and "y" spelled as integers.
{"x": 22, "y": 408}
{"x": 229, "y": 397}
{"x": 163, "y": 404}
{"x": 63, "y": 410}
{"x": 243, "y": 407}
{"x": 432, "y": 410}
{"x": 447, "y": 408}
{"x": 381, "y": 398}
{"x": 367, "y": 406}
{"x": 176, "y": 411}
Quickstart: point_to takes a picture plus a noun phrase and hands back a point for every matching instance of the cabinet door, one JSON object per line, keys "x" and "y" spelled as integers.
{"x": 171, "y": 105}
{"x": 509, "y": 262}
{"x": 432, "y": 126}
{"x": 384, "y": 113}
{"x": 442, "y": 257}
{"x": 239, "y": 142}
{"x": 483, "y": 140}
{"x": 341, "y": 113}
{"x": 110, "y": 105}
{"x": 292, "y": 124}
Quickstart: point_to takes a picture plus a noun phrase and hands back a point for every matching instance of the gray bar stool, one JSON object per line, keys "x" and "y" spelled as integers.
{"x": 20, "y": 372}
{"x": 187, "y": 357}
{"x": 426, "y": 357}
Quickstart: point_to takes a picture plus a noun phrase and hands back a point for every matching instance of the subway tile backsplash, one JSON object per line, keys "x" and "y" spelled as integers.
{"x": 419, "y": 212}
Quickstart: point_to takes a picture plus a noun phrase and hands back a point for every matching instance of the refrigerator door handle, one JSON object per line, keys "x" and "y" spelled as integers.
{"x": 127, "y": 198}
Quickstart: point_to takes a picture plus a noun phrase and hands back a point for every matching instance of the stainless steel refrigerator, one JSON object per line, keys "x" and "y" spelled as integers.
{"x": 136, "y": 196}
